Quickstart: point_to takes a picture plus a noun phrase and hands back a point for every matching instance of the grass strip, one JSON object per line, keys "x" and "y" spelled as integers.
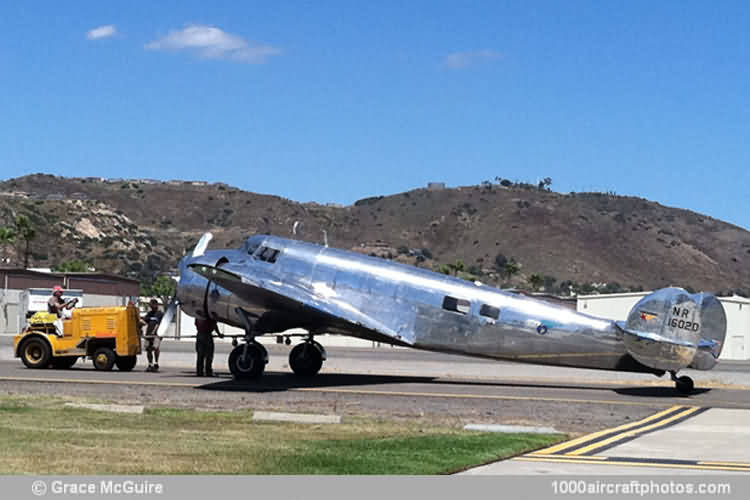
{"x": 39, "y": 435}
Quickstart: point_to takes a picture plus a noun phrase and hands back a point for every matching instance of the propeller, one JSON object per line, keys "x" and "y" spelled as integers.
{"x": 171, "y": 311}
{"x": 200, "y": 248}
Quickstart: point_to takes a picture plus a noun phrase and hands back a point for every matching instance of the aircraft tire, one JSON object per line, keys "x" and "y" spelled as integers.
{"x": 252, "y": 366}
{"x": 305, "y": 359}
{"x": 684, "y": 385}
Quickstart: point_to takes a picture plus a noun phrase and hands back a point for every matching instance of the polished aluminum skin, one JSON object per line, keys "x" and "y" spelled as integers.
{"x": 283, "y": 283}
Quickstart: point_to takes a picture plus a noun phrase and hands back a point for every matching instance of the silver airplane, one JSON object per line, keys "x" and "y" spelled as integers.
{"x": 273, "y": 284}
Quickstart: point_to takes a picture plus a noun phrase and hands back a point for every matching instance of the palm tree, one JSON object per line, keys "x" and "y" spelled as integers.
{"x": 27, "y": 233}
{"x": 511, "y": 268}
{"x": 7, "y": 237}
{"x": 535, "y": 280}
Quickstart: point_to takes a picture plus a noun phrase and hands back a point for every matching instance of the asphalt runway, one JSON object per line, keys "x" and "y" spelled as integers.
{"x": 385, "y": 382}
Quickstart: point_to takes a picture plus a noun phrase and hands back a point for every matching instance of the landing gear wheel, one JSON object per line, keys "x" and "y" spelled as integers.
{"x": 125, "y": 363}
{"x": 247, "y": 361}
{"x": 306, "y": 359}
{"x": 64, "y": 363}
{"x": 104, "y": 359}
{"x": 35, "y": 353}
{"x": 684, "y": 384}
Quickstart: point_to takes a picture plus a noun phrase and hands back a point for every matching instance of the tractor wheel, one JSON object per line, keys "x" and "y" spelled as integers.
{"x": 35, "y": 352}
{"x": 104, "y": 359}
{"x": 126, "y": 363}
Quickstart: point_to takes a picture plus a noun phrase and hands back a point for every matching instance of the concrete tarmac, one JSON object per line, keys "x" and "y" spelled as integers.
{"x": 706, "y": 432}
{"x": 681, "y": 440}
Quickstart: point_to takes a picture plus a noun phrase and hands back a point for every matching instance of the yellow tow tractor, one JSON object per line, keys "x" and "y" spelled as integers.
{"x": 109, "y": 336}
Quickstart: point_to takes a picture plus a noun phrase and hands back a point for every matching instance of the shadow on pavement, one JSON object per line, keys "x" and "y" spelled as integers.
{"x": 659, "y": 392}
{"x": 272, "y": 382}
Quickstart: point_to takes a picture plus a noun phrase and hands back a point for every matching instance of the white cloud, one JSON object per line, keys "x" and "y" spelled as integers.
{"x": 102, "y": 32}
{"x": 211, "y": 42}
{"x": 458, "y": 60}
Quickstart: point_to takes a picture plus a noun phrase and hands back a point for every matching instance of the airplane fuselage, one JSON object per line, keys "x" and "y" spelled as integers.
{"x": 414, "y": 307}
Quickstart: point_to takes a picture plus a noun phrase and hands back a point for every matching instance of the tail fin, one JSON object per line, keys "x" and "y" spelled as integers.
{"x": 671, "y": 329}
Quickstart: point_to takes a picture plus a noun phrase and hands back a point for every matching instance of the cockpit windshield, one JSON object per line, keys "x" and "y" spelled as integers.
{"x": 252, "y": 244}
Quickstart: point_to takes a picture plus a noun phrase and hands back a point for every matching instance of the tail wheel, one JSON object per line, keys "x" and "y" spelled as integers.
{"x": 35, "y": 353}
{"x": 247, "y": 361}
{"x": 125, "y": 363}
{"x": 104, "y": 359}
{"x": 65, "y": 362}
{"x": 305, "y": 359}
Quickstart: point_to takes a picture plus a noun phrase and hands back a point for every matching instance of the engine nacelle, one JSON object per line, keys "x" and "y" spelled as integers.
{"x": 671, "y": 329}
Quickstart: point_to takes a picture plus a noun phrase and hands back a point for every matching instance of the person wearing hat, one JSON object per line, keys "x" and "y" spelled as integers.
{"x": 57, "y": 305}
{"x": 151, "y": 320}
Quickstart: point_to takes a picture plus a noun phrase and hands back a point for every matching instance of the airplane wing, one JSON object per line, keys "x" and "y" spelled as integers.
{"x": 321, "y": 308}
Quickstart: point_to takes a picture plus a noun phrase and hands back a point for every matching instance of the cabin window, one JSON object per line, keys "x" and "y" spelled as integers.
{"x": 489, "y": 311}
{"x": 456, "y": 305}
{"x": 268, "y": 254}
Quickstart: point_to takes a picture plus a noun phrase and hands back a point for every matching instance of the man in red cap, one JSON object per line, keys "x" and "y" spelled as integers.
{"x": 56, "y": 304}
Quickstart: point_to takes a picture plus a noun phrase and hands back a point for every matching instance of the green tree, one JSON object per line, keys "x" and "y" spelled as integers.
{"x": 7, "y": 237}
{"x": 511, "y": 268}
{"x": 164, "y": 287}
{"x": 27, "y": 232}
{"x": 535, "y": 280}
{"x": 72, "y": 266}
{"x": 456, "y": 268}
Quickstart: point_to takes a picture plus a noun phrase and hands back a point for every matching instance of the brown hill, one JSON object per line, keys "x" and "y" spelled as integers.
{"x": 139, "y": 227}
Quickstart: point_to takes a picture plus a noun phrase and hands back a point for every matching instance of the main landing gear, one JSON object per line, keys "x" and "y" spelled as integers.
{"x": 248, "y": 360}
{"x": 683, "y": 384}
{"x": 307, "y": 358}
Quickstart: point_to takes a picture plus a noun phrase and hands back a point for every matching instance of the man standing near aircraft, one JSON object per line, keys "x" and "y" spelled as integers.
{"x": 204, "y": 345}
{"x": 153, "y": 341}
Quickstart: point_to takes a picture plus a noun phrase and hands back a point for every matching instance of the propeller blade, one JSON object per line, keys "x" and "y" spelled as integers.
{"x": 167, "y": 318}
{"x": 200, "y": 248}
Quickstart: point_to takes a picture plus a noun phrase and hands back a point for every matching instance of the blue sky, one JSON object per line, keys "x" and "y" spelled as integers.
{"x": 335, "y": 101}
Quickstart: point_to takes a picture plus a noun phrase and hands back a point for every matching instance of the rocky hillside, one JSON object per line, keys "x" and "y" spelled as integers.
{"x": 141, "y": 227}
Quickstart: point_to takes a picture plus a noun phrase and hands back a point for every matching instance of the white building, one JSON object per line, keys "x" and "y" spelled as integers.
{"x": 616, "y": 307}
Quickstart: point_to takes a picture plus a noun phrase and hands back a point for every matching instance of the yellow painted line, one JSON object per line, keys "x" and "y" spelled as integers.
{"x": 361, "y": 391}
{"x": 101, "y": 382}
{"x": 633, "y": 432}
{"x": 472, "y": 396}
{"x": 594, "y": 458}
{"x": 737, "y": 464}
{"x": 343, "y": 391}
{"x": 589, "y": 437}
{"x": 577, "y": 460}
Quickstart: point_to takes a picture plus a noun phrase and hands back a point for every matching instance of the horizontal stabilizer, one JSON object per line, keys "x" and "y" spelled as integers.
{"x": 654, "y": 337}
